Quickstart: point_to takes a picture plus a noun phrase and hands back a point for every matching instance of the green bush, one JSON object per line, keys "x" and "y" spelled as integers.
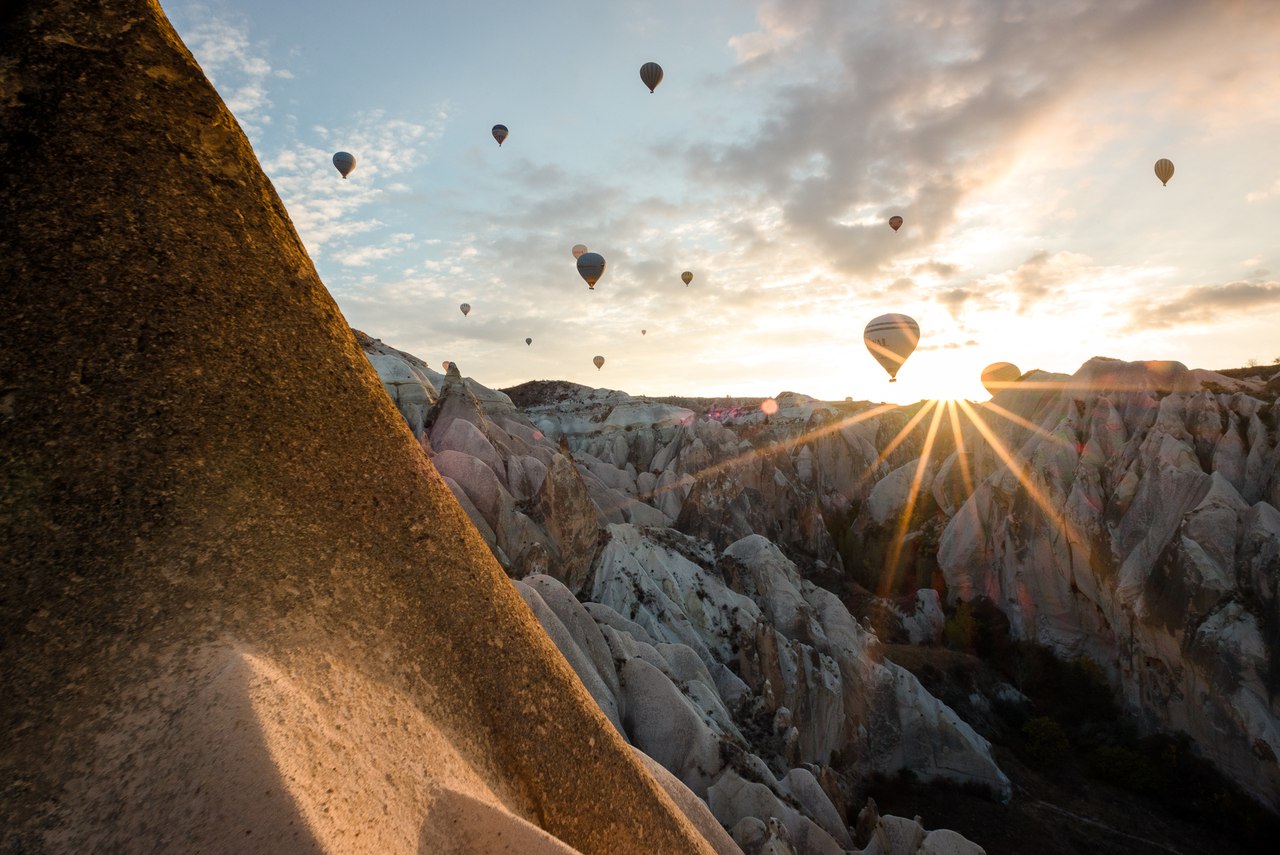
{"x": 1046, "y": 742}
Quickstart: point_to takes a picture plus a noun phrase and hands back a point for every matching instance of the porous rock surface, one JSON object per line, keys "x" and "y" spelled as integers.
{"x": 743, "y": 679}
{"x": 1133, "y": 519}
{"x": 241, "y": 611}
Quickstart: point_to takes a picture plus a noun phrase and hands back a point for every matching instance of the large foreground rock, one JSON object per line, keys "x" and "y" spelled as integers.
{"x": 240, "y": 610}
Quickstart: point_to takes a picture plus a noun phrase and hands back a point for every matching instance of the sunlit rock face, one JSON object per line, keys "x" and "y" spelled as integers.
{"x": 1149, "y": 541}
{"x": 1139, "y": 528}
{"x": 239, "y": 609}
{"x": 641, "y": 538}
{"x": 743, "y": 680}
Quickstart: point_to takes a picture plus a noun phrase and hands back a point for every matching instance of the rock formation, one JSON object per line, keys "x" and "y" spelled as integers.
{"x": 241, "y": 611}
{"x": 747, "y": 682}
{"x": 1135, "y": 523}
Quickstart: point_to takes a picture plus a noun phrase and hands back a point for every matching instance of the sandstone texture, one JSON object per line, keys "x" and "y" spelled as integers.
{"x": 241, "y": 610}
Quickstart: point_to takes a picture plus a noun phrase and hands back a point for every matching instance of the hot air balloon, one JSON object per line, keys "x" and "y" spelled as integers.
{"x": 891, "y": 339}
{"x": 651, "y": 74}
{"x": 599, "y": 361}
{"x": 579, "y": 249}
{"x": 345, "y": 161}
{"x": 687, "y": 277}
{"x": 466, "y": 309}
{"x": 499, "y": 134}
{"x": 644, "y": 332}
{"x": 445, "y": 365}
{"x": 999, "y": 375}
{"x": 895, "y": 222}
{"x": 1164, "y": 170}
{"x": 528, "y": 341}
{"x": 591, "y": 268}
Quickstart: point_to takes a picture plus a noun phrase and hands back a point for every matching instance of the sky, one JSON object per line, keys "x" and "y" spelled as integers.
{"x": 1016, "y": 138}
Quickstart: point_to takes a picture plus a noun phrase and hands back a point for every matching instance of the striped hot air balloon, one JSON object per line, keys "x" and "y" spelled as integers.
{"x": 500, "y": 134}
{"x": 599, "y": 362}
{"x": 1164, "y": 170}
{"x": 465, "y": 308}
{"x": 651, "y": 74}
{"x": 687, "y": 277}
{"x": 891, "y": 339}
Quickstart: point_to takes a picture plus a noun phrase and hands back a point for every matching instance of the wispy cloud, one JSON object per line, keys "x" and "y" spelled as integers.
{"x": 238, "y": 67}
{"x": 1208, "y": 304}
{"x": 329, "y": 212}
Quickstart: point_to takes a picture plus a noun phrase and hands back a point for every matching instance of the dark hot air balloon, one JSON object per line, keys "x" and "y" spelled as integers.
{"x": 345, "y": 161}
{"x": 651, "y": 74}
{"x": 599, "y": 361}
{"x": 591, "y": 268}
{"x": 500, "y": 134}
{"x": 895, "y": 222}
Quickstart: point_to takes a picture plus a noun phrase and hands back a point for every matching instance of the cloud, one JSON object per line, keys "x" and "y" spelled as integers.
{"x": 1207, "y": 304}
{"x": 913, "y": 107}
{"x": 235, "y": 65}
{"x": 326, "y": 210}
{"x": 1263, "y": 195}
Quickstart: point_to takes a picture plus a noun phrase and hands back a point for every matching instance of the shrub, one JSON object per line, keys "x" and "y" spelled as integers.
{"x": 1046, "y": 741}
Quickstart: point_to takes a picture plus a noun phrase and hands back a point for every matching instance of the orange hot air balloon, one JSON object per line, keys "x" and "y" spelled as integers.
{"x": 1164, "y": 170}
{"x": 599, "y": 361}
{"x": 895, "y": 222}
{"x": 999, "y": 376}
{"x": 579, "y": 249}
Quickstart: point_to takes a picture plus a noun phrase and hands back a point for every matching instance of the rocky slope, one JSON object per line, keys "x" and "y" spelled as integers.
{"x": 1138, "y": 525}
{"x": 1126, "y": 513}
{"x": 240, "y": 610}
{"x": 699, "y": 638}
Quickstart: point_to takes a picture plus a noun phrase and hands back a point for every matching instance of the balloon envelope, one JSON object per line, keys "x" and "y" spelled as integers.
{"x": 599, "y": 361}
{"x": 445, "y": 366}
{"x": 651, "y": 74}
{"x": 499, "y": 133}
{"x": 687, "y": 277}
{"x": 999, "y": 375}
{"x": 891, "y": 339}
{"x": 579, "y": 249}
{"x": 528, "y": 341}
{"x": 895, "y": 223}
{"x": 466, "y": 309}
{"x": 644, "y": 332}
{"x": 591, "y": 268}
{"x": 1164, "y": 170}
{"x": 345, "y": 161}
